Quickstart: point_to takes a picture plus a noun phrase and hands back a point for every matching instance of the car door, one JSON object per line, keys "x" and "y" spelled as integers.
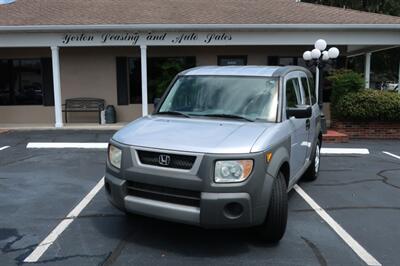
{"x": 310, "y": 122}
{"x": 294, "y": 97}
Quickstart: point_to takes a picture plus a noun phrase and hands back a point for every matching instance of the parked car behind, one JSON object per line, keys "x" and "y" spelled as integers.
{"x": 222, "y": 149}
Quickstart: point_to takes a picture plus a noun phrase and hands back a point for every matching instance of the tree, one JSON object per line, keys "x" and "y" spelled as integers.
{"x": 389, "y": 7}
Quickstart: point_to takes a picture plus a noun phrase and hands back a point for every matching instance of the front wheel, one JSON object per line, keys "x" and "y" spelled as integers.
{"x": 312, "y": 172}
{"x": 274, "y": 226}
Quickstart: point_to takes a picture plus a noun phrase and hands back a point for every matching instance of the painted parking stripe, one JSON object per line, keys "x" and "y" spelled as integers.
{"x": 104, "y": 145}
{"x": 66, "y": 145}
{"x": 344, "y": 151}
{"x": 350, "y": 241}
{"x": 57, "y": 231}
{"x": 391, "y": 154}
{"x": 3, "y": 148}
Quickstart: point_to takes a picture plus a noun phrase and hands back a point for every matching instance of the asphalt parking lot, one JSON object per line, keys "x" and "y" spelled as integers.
{"x": 39, "y": 188}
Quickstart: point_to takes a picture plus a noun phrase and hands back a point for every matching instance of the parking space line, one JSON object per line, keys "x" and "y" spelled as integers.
{"x": 5, "y": 147}
{"x": 391, "y": 154}
{"x": 57, "y": 231}
{"x": 63, "y": 145}
{"x": 350, "y": 241}
{"x": 344, "y": 151}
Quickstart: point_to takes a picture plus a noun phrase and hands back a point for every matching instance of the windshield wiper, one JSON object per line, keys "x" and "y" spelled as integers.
{"x": 229, "y": 116}
{"x": 172, "y": 113}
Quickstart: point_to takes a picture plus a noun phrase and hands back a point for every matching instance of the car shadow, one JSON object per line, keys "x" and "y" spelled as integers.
{"x": 182, "y": 239}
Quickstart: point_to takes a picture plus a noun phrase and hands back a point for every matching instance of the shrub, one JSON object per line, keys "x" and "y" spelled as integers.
{"x": 343, "y": 82}
{"x": 369, "y": 105}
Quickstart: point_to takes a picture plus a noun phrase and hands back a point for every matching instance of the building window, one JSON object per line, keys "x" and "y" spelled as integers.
{"x": 285, "y": 61}
{"x": 160, "y": 71}
{"x": 135, "y": 80}
{"x": 385, "y": 67}
{"x": 21, "y": 82}
{"x": 235, "y": 60}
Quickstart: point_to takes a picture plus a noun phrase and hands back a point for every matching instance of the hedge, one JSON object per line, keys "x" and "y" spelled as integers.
{"x": 344, "y": 81}
{"x": 368, "y": 105}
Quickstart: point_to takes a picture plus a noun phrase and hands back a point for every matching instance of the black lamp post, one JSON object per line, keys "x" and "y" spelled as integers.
{"x": 319, "y": 58}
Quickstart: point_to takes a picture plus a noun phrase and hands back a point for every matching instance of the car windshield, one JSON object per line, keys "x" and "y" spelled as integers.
{"x": 248, "y": 98}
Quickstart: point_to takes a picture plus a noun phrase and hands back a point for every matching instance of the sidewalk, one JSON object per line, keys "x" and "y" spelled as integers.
{"x": 69, "y": 126}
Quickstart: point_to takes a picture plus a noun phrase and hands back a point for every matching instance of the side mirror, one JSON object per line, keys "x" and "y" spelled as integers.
{"x": 299, "y": 112}
{"x": 156, "y": 102}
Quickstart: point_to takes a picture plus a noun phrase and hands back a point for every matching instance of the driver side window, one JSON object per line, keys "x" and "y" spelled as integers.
{"x": 293, "y": 93}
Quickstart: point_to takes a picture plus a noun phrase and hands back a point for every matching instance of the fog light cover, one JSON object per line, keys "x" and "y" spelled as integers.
{"x": 114, "y": 156}
{"x": 232, "y": 171}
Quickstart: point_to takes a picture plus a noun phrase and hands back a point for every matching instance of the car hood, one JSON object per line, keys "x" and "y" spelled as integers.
{"x": 192, "y": 134}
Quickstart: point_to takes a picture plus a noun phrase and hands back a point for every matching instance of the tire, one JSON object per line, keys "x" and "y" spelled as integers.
{"x": 313, "y": 170}
{"x": 274, "y": 226}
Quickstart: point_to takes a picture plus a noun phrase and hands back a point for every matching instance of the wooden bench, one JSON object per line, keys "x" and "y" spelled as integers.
{"x": 83, "y": 105}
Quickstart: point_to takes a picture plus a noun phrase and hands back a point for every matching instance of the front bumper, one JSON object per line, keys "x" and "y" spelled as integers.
{"x": 211, "y": 205}
{"x": 212, "y": 211}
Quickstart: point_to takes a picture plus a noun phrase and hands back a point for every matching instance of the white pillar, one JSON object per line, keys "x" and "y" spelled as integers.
{"x": 143, "y": 59}
{"x": 57, "y": 86}
{"x": 367, "y": 72}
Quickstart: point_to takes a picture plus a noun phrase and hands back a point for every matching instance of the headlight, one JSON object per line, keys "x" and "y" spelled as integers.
{"x": 232, "y": 171}
{"x": 114, "y": 156}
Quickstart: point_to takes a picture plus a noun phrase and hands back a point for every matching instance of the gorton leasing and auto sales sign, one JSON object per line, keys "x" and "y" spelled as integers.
{"x": 150, "y": 38}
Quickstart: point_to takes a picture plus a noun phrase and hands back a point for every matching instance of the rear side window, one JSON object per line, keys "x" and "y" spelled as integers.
{"x": 312, "y": 91}
{"x": 293, "y": 94}
{"x": 304, "y": 83}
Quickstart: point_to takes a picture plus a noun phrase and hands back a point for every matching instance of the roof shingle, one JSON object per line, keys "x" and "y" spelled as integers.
{"x": 106, "y": 12}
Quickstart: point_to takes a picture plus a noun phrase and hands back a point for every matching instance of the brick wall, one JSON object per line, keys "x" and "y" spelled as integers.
{"x": 368, "y": 130}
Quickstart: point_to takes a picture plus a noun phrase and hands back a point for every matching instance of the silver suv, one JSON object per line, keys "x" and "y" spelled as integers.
{"x": 222, "y": 149}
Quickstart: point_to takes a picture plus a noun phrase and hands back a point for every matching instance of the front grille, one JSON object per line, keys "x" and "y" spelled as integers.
{"x": 166, "y": 159}
{"x": 165, "y": 194}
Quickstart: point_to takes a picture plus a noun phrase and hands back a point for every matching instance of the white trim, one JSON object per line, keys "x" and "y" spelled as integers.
{"x": 38, "y": 252}
{"x": 370, "y": 50}
{"x": 3, "y": 148}
{"x": 346, "y": 237}
{"x": 65, "y": 145}
{"x": 186, "y": 27}
{"x": 185, "y": 37}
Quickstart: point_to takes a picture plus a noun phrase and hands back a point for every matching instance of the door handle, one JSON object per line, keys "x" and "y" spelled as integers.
{"x": 308, "y": 124}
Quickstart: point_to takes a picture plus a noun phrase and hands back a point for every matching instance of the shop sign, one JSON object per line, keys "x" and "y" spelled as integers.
{"x": 150, "y": 38}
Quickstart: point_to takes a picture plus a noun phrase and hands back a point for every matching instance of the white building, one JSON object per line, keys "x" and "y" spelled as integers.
{"x": 55, "y": 50}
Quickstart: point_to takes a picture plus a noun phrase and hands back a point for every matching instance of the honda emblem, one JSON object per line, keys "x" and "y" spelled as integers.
{"x": 164, "y": 159}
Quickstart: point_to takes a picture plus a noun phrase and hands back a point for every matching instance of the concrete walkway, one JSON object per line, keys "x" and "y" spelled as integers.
{"x": 69, "y": 126}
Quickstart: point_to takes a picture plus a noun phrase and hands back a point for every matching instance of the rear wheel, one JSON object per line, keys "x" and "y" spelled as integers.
{"x": 312, "y": 172}
{"x": 274, "y": 226}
